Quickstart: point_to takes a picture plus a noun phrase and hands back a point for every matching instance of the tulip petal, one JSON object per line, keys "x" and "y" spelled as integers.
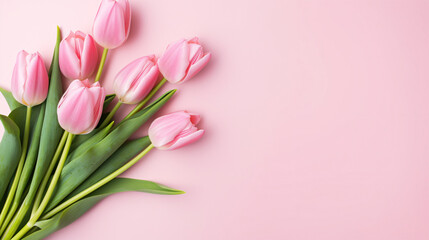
{"x": 184, "y": 140}
{"x": 110, "y": 28}
{"x": 197, "y": 67}
{"x": 19, "y": 76}
{"x": 175, "y": 61}
{"x": 80, "y": 107}
{"x": 36, "y": 84}
{"x": 89, "y": 57}
{"x": 68, "y": 60}
{"x": 164, "y": 129}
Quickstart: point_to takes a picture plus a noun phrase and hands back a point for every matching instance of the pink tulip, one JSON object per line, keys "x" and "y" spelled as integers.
{"x": 112, "y": 23}
{"x": 136, "y": 80}
{"x": 30, "y": 80}
{"x": 78, "y": 55}
{"x": 175, "y": 130}
{"x": 182, "y": 60}
{"x": 80, "y": 108}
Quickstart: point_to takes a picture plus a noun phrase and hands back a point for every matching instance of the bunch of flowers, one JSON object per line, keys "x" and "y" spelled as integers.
{"x": 61, "y": 153}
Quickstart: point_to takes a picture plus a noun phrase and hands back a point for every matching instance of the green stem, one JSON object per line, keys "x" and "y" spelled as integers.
{"x": 47, "y": 176}
{"x": 98, "y": 184}
{"x": 110, "y": 116}
{"x": 49, "y": 192}
{"x": 27, "y": 202}
{"x": 146, "y": 99}
{"x": 9, "y": 217}
{"x": 14, "y": 186}
{"x": 100, "y": 67}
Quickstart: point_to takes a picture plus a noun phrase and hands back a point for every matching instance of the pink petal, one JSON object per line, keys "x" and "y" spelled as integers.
{"x": 197, "y": 67}
{"x": 164, "y": 129}
{"x": 109, "y": 28}
{"x": 19, "y": 76}
{"x": 185, "y": 140}
{"x": 69, "y": 61}
{"x": 175, "y": 61}
{"x": 89, "y": 57}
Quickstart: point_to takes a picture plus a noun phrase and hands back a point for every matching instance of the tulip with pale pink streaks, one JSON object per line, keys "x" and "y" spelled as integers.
{"x": 30, "y": 80}
{"x": 112, "y": 23}
{"x": 136, "y": 80}
{"x": 182, "y": 60}
{"x": 175, "y": 130}
{"x": 80, "y": 108}
{"x": 78, "y": 55}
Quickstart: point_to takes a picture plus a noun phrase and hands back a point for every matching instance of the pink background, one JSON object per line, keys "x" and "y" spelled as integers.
{"x": 316, "y": 114}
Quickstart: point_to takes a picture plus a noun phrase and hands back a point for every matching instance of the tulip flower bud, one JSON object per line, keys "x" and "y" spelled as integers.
{"x": 30, "y": 80}
{"x": 80, "y": 108}
{"x": 182, "y": 60}
{"x": 175, "y": 130}
{"x": 112, "y": 23}
{"x": 136, "y": 80}
{"x": 78, "y": 55}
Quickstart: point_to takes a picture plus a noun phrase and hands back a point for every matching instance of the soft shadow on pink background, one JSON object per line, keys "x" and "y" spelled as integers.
{"x": 316, "y": 114}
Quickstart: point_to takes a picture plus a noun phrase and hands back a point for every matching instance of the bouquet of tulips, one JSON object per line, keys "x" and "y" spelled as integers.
{"x": 61, "y": 153}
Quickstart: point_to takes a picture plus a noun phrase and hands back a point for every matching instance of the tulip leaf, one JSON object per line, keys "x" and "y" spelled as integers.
{"x": 70, "y": 214}
{"x": 89, "y": 143}
{"x": 114, "y": 162}
{"x": 10, "y": 99}
{"x": 18, "y": 115}
{"x": 51, "y": 130}
{"x": 107, "y": 100}
{"x": 10, "y": 151}
{"x": 30, "y": 161}
{"x": 80, "y": 168}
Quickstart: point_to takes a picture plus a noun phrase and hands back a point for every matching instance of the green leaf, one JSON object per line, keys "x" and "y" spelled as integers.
{"x": 81, "y": 149}
{"x": 84, "y": 165}
{"x": 114, "y": 162}
{"x": 30, "y": 161}
{"x": 10, "y": 149}
{"x": 107, "y": 100}
{"x": 76, "y": 210}
{"x": 10, "y": 99}
{"x": 51, "y": 130}
{"x": 18, "y": 115}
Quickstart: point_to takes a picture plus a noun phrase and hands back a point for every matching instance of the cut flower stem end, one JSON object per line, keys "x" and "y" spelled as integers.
{"x": 49, "y": 192}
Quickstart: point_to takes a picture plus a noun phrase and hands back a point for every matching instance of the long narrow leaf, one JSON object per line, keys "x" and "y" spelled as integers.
{"x": 10, "y": 149}
{"x": 81, "y": 149}
{"x": 114, "y": 162}
{"x": 33, "y": 149}
{"x": 76, "y": 210}
{"x": 51, "y": 130}
{"x": 84, "y": 165}
{"x": 10, "y": 99}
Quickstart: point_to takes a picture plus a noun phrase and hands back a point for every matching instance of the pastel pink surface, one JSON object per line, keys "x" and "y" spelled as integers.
{"x": 316, "y": 117}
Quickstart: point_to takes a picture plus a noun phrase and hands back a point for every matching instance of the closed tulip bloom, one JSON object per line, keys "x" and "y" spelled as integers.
{"x": 136, "y": 80}
{"x": 30, "y": 80}
{"x": 80, "y": 108}
{"x": 182, "y": 60}
{"x": 78, "y": 55}
{"x": 112, "y": 23}
{"x": 175, "y": 130}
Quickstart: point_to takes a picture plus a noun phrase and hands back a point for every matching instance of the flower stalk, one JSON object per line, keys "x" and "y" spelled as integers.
{"x": 98, "y": 184}
{"x": 47, "y": 197}
{"x": 15, "y": 182}
{"x": 101, "y": 66}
